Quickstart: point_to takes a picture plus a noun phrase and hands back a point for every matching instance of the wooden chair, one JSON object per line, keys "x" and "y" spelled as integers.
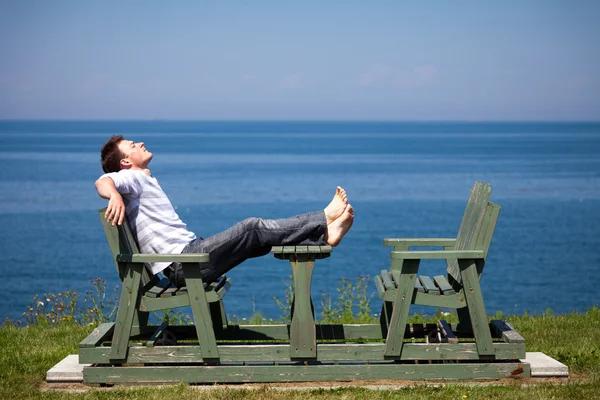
{"x": 459, "y": 289}
{"x": 143, "y": 293}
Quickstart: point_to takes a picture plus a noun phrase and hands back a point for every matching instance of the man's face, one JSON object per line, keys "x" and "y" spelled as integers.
{"x": 136, "y": 154}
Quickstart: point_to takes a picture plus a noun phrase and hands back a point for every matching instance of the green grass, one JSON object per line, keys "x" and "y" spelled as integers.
{"x": 28, "y": 352}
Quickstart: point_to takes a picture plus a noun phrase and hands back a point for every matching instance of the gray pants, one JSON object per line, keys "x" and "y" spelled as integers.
{"x": 253, "y": 237}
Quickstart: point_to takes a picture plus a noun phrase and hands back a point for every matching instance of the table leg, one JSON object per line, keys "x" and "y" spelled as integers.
{"x": 303, "y": 337}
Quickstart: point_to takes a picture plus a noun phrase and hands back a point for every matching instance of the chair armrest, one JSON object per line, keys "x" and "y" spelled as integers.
{"x": 419, "y": 242}
{"x": 438, "y": 254}
{"x": 182, "y": 258}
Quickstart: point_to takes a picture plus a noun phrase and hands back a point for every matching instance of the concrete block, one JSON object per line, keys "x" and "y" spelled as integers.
{"x": 67, "y": 370}
{"x": 543, "y": 366}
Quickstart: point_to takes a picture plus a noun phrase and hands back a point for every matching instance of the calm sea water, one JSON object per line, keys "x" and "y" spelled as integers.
{"x": 403, "y": 179}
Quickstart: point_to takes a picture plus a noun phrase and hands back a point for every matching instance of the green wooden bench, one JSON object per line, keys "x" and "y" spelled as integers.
{"x": 459, "y": 289}
{"x": 213, "y": 350}
{"x": 142, "y": 293}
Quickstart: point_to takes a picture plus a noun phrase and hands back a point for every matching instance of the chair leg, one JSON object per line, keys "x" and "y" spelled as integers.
{"x": 218, "y": 316}
{"x": 474, "y": 299}
{"x": 128, "y": 304}
{"x": 399, "y": 318}
{"x": 200, "y": 312}
{"x": 464, "y": 321}
{"x": 140, "y": 318}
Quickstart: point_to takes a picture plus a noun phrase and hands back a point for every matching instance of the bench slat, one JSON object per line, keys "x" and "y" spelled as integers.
{"x": 447, "y": 331}
{"x": 387, "y": 281}
{"x": 428, "y": 285}
{"x": 379, "y": 286}
{"x": 443, "y": 284}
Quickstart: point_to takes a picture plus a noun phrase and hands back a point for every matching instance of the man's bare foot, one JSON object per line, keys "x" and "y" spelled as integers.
{"x": 336, "y": 208}
{"x": 338, "y": 228}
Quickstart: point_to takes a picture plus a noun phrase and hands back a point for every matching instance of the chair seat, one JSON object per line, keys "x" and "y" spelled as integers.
{"x": 164, "y": 288}
{"x": 387, "y": 283}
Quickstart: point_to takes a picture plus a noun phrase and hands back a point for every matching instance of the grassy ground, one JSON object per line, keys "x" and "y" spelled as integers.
{"x": 27, "y": 353}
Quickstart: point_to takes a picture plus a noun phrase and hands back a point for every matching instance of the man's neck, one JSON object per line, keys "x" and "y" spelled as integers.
{"x": 145, "y": 170}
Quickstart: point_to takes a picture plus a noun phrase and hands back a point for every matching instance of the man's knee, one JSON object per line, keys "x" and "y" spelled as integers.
{"x": 252, "y": 223}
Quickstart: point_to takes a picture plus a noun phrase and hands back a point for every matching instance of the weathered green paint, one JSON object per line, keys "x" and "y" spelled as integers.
{"x": 303, "y": 337}
{"x": 133, "y": 341}
{"x": 402, "y": 302}
{"x": 429, "y": 286}
{"x": 372, "y": 352}
{"x": 506, "y": 331}
{"x": 442, "y": 283}
{"x": 472, "y": 291}
{"x": 422, "y": 242}
{"x": 128, "y": 303}
{"x": 447, "y": 333}
{"x": 436, "y": 254}
{"x": 302, "y": 373}
{"x": 200, "y": 312}
{"x": 98, "y": 335}
{"x": 146, "y": 258}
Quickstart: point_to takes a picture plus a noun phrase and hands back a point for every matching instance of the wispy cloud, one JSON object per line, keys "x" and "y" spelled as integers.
{"x": 292, "y": 81}
{"x": 420, "y": 76}
{"x": 416, "y": 77}
{"x": 375, "y": 74}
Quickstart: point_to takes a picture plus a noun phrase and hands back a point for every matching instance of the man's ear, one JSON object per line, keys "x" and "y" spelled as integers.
{"x": 125, "y": 163}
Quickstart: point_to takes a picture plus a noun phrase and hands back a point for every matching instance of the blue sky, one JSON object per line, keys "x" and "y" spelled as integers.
{"x": 396, "y": 60}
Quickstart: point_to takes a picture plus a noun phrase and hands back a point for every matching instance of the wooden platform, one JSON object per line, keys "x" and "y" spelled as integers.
{"x": 69, "y": 370}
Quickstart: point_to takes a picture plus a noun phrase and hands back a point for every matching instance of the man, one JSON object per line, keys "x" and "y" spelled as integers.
{"x": 131, "y": 190}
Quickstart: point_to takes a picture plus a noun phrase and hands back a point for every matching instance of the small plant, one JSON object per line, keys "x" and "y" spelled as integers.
{"x": 286, "y": 305}
{"x": 97, "y": 307}
{"x": 353, "y": 304}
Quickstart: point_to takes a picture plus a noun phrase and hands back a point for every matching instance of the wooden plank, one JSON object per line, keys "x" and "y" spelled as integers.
{"x": 289, "y": 249}
{"x": 162, "y": 303}
{"x": 157, "y": 289}
{"x": 456, "y": 300}
{"x": 200, "y": 312}
{"x": 156, "y": 335}
{"x": 472, "y": 291}
{"x": 404, "y": 295}
{"x": 437, "y": 254}
{"x": 130, "y": 296}
{"x": 325, "y": 249}
{"x": 506, "y": 331}
{"x": 396, "y": 278}
{"x": 379, "y": 286}
{"x": 447, "y": 331}
{"x": 470, "y": 227}
{"x": 429, "y": 286}
{"x": 314, "y": 249}
{"x": 144, "y": 258}
{"x": 302, "y": 249}
{"x": 301, "y": 373}
{"x": 443, "y": 284}
{"x": 303, "y": 338}
{"x": 98, "y": 335}
{"x": 423, "y": 242}
{"x": 262, "y": 353}
{"x": 387, "y": 281}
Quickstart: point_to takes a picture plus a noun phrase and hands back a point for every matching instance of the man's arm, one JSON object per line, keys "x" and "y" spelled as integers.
{"x": 115, "y": 212}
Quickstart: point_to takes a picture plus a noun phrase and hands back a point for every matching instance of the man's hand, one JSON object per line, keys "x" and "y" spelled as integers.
{"x": 115, "y": 212}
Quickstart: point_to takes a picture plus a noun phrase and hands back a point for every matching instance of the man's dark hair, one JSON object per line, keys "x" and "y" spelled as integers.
{"x": 111, "y": 156}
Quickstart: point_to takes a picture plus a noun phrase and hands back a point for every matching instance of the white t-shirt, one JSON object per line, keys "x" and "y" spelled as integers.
{"x": 153, "y": 220}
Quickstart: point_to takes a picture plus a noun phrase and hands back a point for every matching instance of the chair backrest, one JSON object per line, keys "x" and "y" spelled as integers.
{"x": 121, "y": 240}
{"x": 477, "y": 227}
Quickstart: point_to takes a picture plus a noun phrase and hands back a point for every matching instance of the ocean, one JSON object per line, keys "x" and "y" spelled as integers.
{"x": 404, "y": 179}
